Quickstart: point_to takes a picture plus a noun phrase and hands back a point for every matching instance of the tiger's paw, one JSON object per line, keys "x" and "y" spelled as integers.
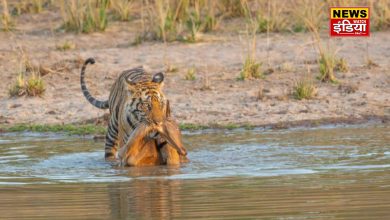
{"x": 110, "y": 157}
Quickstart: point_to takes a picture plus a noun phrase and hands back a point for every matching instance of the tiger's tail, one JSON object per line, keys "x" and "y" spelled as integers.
{"x": 87, "y": 94}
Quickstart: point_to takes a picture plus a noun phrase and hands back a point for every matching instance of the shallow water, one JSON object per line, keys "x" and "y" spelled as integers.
{"x": 325, "y": 173}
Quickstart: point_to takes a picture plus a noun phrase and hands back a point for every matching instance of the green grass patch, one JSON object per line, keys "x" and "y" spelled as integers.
{"x": 229, "y": 126}
{"x": 70, "y": 129}
{"x": 192, "y": 127}
{"x": 232, "y": 126}
{"x": 92, "y": 129}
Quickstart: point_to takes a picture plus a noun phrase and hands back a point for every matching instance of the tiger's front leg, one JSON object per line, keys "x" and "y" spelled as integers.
{"x": 111, "y": 145}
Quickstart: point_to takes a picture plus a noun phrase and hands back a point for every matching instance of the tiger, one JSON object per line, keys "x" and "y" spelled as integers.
{"x": 135, "y": 98}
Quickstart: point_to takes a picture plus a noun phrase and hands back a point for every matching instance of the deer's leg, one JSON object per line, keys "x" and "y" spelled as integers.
{"x": 170, "y": 155}
{"x": 131, "y": 153}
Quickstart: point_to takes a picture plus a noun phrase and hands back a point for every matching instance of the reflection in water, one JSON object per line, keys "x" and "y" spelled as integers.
{"x": 145, "y": 199}
{"x": 326, "y": 196}
{"x": 320, "y": 196}
{"x": 335, "y": 173}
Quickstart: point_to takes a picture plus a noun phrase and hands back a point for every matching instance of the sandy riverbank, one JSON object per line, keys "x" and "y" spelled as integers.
{"x": 215, "y": 96}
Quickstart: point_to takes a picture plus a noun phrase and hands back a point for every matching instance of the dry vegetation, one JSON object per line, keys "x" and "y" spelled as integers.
{"x": 185, "y": 20}
{"x": 304, "y": 88}
{"x": 170, "y": 20}
{"x": 28, "y": 81}
{"x": 251, "y": 68}
{"x": 84, "y": 16}
{"x": 66, "y": 45}
{"x": 6, "y": 22}
{"x": 191, "y": 75}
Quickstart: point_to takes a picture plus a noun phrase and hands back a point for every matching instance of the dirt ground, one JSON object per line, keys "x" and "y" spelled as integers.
{"x": 215, "y": 96}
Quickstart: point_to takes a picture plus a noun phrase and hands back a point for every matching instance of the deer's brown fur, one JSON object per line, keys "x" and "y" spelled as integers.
{"x": 141, "y": 150}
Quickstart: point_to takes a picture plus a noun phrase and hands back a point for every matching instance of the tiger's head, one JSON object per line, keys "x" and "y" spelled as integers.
{"x": 151, "y": 107}
{"x": 147, "y": 99}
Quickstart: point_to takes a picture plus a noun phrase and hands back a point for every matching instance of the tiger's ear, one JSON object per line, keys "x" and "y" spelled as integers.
{"x": 158, "y": 77}
{"x": 130, "y": 82}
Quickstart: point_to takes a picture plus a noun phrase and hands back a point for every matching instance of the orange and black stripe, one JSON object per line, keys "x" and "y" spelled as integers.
{"x": 145, "y": 104}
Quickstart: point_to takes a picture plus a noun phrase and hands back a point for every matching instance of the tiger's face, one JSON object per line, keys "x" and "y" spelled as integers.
{"x": 148, "y": 103}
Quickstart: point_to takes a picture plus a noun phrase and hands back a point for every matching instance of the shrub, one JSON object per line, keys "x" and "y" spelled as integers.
{"x": 270, "y": 19}
{"x": 190, "y": 74}
{"x": 327, "y": 56}
{"x": 233, "y": 8}
{"x": 18, "y": 88}
{"x": 380, "y": 10}
{"x": 342, "y": 65}
{"x": 308, "y": 15}
{"x": 166, "y": 20}
{"x": 66, "y": 45}
{"x": 304, "y": 89}
{"x": 84, "y": 16}
{"x": 327, "y": 64}
{"x": 6, "y": 20}
{"x": 250, "y": 70}
{"x": 37, "y": 6}
{"x": 211, "y": 21}
{"x": 33, "y": 86}
{"x": 31, "y": 6}
{"x": 122, "y": 9}
{"x": 193, "y": 24}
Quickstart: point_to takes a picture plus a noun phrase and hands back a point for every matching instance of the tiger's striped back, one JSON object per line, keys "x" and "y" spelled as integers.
{"x": 135, "y": 98}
